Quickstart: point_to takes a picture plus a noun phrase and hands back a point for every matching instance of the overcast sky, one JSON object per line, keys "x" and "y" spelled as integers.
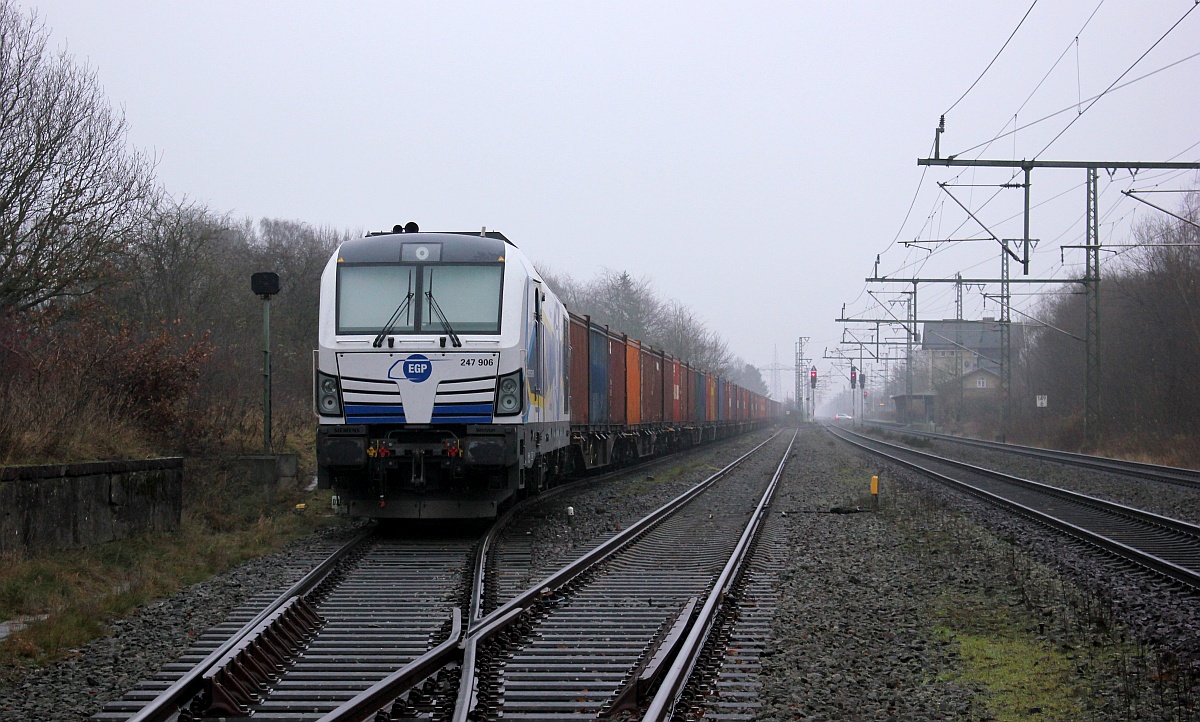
{"x": 751, "y": 159}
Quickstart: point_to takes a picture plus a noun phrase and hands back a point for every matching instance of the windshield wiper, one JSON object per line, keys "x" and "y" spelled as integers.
{"x": 387, "y": 329}
{"x": 433, "y": 304}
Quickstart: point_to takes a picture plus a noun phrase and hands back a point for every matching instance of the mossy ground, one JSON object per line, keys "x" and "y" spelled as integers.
{"x": 1026, "y": 678}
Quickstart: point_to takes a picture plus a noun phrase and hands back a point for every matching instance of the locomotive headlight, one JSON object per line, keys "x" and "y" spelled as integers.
{"x": 508, "y": 394}
{"x": 329, "y": 402}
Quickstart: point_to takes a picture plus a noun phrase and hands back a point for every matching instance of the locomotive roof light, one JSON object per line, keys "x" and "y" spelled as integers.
{"x": 421, "y": 252}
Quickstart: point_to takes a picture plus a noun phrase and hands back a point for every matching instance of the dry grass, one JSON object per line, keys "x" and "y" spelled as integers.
{"x": 45, "y": 423}
{"x": 225, "y": 522}
{"x": 1181, "y": 451}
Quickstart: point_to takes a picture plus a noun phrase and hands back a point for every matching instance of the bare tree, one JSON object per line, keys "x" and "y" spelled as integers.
{"x": 626, "y": 304}
{"x": 70, "y": 189}
{"x": 1150, "y": 301}
{"x": 568, "y": 290}
{"x": 749, "y": 377}
{"x": 174, "y": 265}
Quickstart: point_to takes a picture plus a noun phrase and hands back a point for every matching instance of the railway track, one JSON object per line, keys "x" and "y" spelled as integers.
{"x": 630, "y": 617}
{"x": 372, "y": 606}
{"x": 1154, "y": 472}
{"x": 599, "y": 630}
{"x": 390, "y": 624}
{"x": 1166, "y": 546}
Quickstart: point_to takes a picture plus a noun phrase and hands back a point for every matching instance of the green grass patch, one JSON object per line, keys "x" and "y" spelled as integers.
{"x": 1026, "y": 678}
{"x": 225, "y": 522}
{"x": 650, "y": 479}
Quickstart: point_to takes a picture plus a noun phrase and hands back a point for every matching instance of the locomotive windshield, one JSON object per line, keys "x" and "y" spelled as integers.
{"x": 468, "y": 295}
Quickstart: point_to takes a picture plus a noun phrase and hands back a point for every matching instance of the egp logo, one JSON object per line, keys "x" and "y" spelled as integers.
{"x": 416, "y": 368}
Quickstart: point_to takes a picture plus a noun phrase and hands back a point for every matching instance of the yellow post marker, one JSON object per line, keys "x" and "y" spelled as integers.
{"x": 875, "y": 491}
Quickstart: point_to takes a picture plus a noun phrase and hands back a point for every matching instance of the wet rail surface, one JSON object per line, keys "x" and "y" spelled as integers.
{"x": 1169, "y": 547}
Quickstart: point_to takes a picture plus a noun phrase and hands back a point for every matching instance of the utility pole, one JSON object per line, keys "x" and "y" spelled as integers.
{"x": 1091, "y": 281}
{"x": 1091, "y": 301}
{"x": 908, "y": 371}
{"x": 958, "y": 348}
{"x": 801, "y": 365}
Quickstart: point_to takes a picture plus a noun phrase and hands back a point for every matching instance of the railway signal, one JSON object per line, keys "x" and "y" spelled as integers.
{"x": 853, "y": 377}
{"x": 812, "y": 377}
{"x": 266, "y": 284}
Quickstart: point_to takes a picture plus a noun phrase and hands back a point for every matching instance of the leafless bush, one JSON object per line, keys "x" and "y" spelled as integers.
{"x": 88, "y": 387}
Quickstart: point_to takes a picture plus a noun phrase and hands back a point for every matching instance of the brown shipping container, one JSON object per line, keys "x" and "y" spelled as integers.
{"x": 652, "y": 386}
{"x": 579, "y": 369}
{"x": 633, "y": 382}
{"x": 616, "y": 378}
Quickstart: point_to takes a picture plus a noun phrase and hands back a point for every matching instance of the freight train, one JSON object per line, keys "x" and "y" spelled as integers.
{"x": 449, "y": 380}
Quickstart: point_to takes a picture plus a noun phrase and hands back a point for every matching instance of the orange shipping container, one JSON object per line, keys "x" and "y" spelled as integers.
{"x": 633, "y": 382}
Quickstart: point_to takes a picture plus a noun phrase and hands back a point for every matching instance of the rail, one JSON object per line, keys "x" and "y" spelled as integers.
{"x": 168, "y": 704}
{"x": 1154, "y": 472}
{"x": 1179, "y": 562}
{"x": 662, "y": 706}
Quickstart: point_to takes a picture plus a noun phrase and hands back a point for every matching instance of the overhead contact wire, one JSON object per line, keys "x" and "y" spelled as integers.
{"x": 994, "y": 59}
{"x": 1113, "y": 84}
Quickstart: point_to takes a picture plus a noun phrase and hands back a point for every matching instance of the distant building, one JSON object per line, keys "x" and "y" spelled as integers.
{"x": 957, "y": 368}
{"x": 976, "y": 343}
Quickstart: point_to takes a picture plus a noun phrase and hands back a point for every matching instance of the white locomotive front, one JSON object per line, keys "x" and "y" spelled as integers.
{"x": 440, "y": 376}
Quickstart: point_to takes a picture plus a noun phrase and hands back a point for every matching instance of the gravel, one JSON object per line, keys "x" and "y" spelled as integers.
{"x": 852, "y": 633}
{"x": 862, "y": 597}
{"x": 1131, "y": 638}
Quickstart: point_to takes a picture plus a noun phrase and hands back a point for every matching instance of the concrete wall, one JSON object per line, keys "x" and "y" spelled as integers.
{"x": 270, "y": 472}
{"x": 69, "y": 506}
